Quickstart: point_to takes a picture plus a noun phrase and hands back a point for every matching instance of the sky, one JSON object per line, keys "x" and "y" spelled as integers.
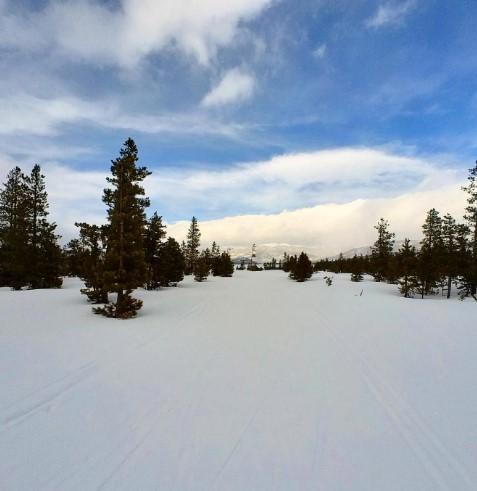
{"x": 273, "y": 121}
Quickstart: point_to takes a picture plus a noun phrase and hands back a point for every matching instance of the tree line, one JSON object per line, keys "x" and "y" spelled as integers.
{"x": 446, "y": 257}
{"x": 130, "y": 251}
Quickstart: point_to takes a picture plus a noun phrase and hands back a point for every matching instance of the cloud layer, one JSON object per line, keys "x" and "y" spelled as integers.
{"x": 95, "y": 32}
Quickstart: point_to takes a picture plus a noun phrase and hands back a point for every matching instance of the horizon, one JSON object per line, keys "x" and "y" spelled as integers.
{"x": 271, "y": 121}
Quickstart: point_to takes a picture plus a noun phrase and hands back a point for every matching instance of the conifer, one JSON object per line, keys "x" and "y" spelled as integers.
{"x": 154, "y": 234}
{"x": 202, "y": 267}
{"x": 192, "y": 245}
{"x": 406, "y": 261}
{"x": 301, "y": 268}
{"x": 471, "y": 219}
{"x": 382, "y": 251}
{"x": 170, "y": 264}
{"x": 125, "y": 268}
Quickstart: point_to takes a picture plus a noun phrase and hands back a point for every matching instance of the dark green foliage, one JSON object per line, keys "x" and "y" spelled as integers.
{"x": 125, "y": 267}
{"x": 202, "y": 266}
{"x": 29, "y": 253}
{"x": 170, "y": 264}
{"x": 450, "y": 259}
{"x": 356, "y": 266}
{"x": 469, "y": 277}
{"x": 91, "y": 252}
{"x": 429, "y": 270}
{"x": 382, "y": 250}
{"x": 301, "y": 268}
{"x": 191, "y": 247}
{"x": 272, "y": 264}
{"x": 153, "y": 236}
{"x": 222, "y": 265}
{"x": 406, "y": 259}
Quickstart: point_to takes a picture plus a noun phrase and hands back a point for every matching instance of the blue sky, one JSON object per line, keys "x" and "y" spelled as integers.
{"x": 214, "y": 90}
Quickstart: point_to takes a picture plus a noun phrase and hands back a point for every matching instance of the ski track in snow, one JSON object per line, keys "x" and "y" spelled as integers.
{"x": 253, "y": 339}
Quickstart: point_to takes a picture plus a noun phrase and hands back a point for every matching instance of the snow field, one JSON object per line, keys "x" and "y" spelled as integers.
{"x": 249, "y": 383}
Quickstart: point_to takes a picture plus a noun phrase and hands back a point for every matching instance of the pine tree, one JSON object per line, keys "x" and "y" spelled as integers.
{"x": 202, "y": 266}
{"x": 222, "y": 265}
{"x": 450, "y": 252}
{"x": 429, "y": 265}
{"x": 471, "y": 219}
{"x": 154, "y": 234}
{"x": 463, "y": 262}
{"x": 192, "y": 245}
{"x": 356, "y": 266}
{"x": 14, "y": 264}
{"x": 382, "y": 250}
{"x": 44, "y": 252}
{"x": 170, "y": 264}
{"x": 406, "y": 261}
{"x": 125, "y": 268}
{"x": 92, "y": 251}
{"x": 301, "y": 269}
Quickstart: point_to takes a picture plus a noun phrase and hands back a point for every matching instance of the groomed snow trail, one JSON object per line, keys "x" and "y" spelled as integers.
{"x": 248, "y": 383}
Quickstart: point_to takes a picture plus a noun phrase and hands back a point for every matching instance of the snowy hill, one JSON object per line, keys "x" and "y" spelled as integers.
{"x": 249, "y": 383}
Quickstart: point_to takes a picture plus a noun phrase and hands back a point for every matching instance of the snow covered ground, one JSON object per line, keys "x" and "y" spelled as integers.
{"x": 249, "y": 383}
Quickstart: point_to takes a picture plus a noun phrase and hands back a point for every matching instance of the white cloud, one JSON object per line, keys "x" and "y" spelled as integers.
{"x": 298, "y": 180}
{"x": 320, "y": 51}
{"x": 391, "y": 13}
{"x": 24, "y": 114}
{"x": 90, "y": 31}
{"x": 328, "y": 229}
{"x": 235, "y": 86}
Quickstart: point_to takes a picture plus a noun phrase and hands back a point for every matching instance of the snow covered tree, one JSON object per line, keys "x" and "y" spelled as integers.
{"x": 170, "y": 264}
{"x": 125, "y": 268}
{"x": 382, "y": 250}
{"x": 406, "y": 260}
{"x": 301, "y": 269}
{"x": 192, "y": 245}
{"x": 471, "y": 219}
{"x": 154, "y": 234}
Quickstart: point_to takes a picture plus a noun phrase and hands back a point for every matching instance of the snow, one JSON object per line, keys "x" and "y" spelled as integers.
{"x": 248, "y": 383}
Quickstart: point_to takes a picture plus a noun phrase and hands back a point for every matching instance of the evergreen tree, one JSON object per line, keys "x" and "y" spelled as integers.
{"x": 192, "y": 245}
{"x": 301, "y": 269}
{"x": 382, "y": 250}
{"x": 125, "y": 268}
{"x": 92, "y": 252}
{"x": 14, "y": 264}
{"x": 356, "y": 267}
{"x": 471, "y": 219}
{"x": 429, "y": 265}
{"x": 450, "y": 251}
{"x": 202, "y": 266}
{"x": 406, "y": 260}
{"x": 464, "y": 262}
{"x": 154, "y": 234}
{"x": 28, "y": 245}
{"x": 170, "y": 265}
{"x": 222, "y": 265}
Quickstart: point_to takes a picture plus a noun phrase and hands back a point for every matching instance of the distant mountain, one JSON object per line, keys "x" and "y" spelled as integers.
{"x": 265, "y": 252}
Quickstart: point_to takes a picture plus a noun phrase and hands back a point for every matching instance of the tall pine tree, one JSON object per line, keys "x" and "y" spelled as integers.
{"x": 125, "y": 267}
{"x": 381, "y": 251}
{"x": 471, "y": 219}
{"x": 192, "y": 245}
